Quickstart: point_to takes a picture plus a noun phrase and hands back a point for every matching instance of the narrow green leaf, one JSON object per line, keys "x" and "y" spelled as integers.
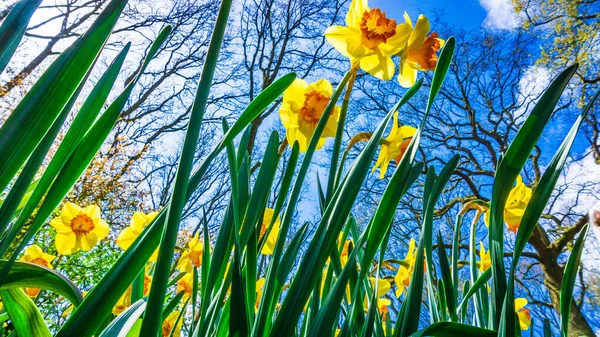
{"x": 477, "y": 285}
{"x": 123, "y": 324}
{"x": 446, "y": 278}
{"x": 508, "y": 169}
{"x": 13, "y": 28}
{"x": 30, "y": 275}
{"x": 568, "y": 284}
{"x": 451, "y": 329}
{"x": 83, "y": 120}
{"x": 40, "y": 107}
{"x": 23, "y": 313}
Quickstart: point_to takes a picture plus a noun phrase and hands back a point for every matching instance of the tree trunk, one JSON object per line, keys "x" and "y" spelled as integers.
{"x": 553, "y": 277}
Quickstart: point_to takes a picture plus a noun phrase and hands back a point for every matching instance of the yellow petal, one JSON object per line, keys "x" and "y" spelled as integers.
{"x": 355, "y": 12}
{"x": 407, "y": 76}
{"x": 87, "y": 241}
{"x": 101, "y": 229}
{"x": 378, "y": 65}
{"x": 398, "y": 42}
{"x": 154, "y": 256}
{"x": 57, "y": 223}
{"x": 269, "y": 245}
{"x": 69, "y": 211}
{"x": 294, "y": 94}
{"x": 137, "y": 223}
{"x": 65, "y": 243}
{"x": 321, "y": 86}
{"x": 32, "y": 252}
{"x": 126, "y": 238}
{"x": 383, "y": 286}
{"x": 520, "y": 303}
{"x": 524, "y": 320}
{"x": 347, "y": 41}
{"x": 93, "y": 212}
{"x": 419, "y": 33}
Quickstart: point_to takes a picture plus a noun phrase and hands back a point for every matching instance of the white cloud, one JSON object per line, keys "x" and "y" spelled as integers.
{"x": 500, "y": 14}
{"x": 532, "y": 84}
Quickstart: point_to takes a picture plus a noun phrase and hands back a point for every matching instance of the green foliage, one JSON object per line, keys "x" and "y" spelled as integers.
{"x": 313, "y": 280}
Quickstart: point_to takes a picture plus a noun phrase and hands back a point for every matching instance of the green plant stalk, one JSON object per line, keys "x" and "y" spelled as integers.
{"x": 23, "y": 313}
{"x": 539, "y": 198}
{"x": 153, "y": 318}
{"x": 508, "y": 169}
{"x": 99, "y": 302}
{"x": 82, "y": 122}
{"x": 40, "y": 107}
{"x": 13, "y": 28}
{"x": 337, "y": 144}
{"x": 267, "y": 306}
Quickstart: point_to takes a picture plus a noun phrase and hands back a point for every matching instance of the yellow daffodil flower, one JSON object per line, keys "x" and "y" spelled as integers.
{"x": 382, "y": 305}
{"x": 394, "y": 146}
{"x": 485, "y": 261}
{"x": 269, "y": 245}
{"x": 383, "y": 286}
{"x": 34, "y": 254}
{"x": 404, "y": 274}
{"x": 123, "y": 303}
{"x": 344, "y": 255}
{"x": 186, "y": 284}
{"x": 260, "y": 284}
{"x": 369, "y": 38}
{"x": 192, "y": 256}
{"x": 420, "y": 51}
{"x": 517, "y": 201}
{"x": 523, "y": 313}
{"x": 138, "y": 221}
{"x": 78, "y": 228}
{"x": 302, "y": 107}
{"x": 168, "y": 325}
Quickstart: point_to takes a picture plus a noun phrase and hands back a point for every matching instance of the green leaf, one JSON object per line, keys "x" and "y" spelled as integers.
{"x": 238, "y": 322}
{"x": 446, "y": 278}
{"x": 508, "y": 169}
{"x": 13, "y": 28}
{"x": 23, "y": 313}
{"x": 261, "y": 191}
{"x": 83, "y": 120}
{"x": 478, "y": 284}
{"x": 451, "y": 329}
{"x": 267, "y": 305}
{"x": 40, "y": 107}
{"x": 568, "y": 284}
{"x": 124, "y": 323}
{"x": 99, "y": 302}
{"x": 409, "y": 315}
{"x": 173, "y": 303}
{"x": 539, "y": 198}
{"x": 80, "y": 158}
{"x": 24, "y": 274}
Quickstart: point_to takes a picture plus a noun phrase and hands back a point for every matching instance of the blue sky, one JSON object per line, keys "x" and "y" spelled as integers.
{"x": 468, "y": 14}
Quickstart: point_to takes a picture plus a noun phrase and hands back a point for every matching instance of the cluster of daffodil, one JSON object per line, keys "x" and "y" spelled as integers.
{"x": 370, "y": 40}
{"x": 262, "y": 275}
